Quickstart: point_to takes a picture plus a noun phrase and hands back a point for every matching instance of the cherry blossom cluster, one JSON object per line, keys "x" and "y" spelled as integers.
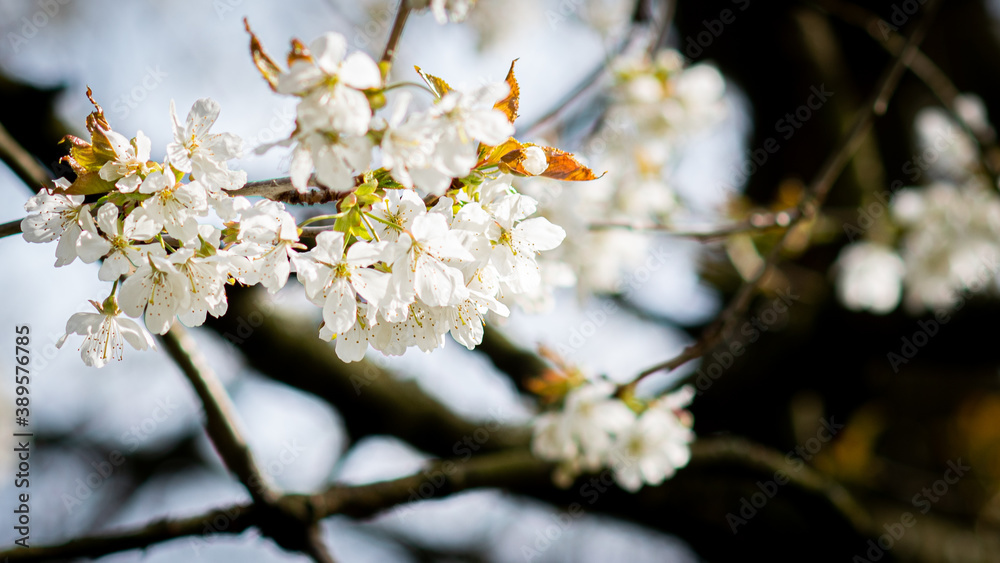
{"x": 335, "y": 131}
{"x": 923, "y": 246}
{"x": 150, "y": 228}
{"x": 430, "y": 242}
{"x": 425, "y": 242}
{"x": 426, "y": 273}
{"x": 657, "y": 105}
{"x": 641, "y": 442}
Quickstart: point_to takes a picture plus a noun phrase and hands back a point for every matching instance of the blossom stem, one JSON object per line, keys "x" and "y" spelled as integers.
{"x": 369, "y": 227}
{"x": 383, "y": 221}
{"x": 317, "y": 219}
{"x": 413, "y": 84}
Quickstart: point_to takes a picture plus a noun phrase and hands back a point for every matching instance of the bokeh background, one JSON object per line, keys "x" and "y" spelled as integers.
{"x": 820, "y": 362}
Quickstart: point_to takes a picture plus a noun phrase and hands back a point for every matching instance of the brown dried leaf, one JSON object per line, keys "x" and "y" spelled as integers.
{"x": 440, "y": 87}
{"x": 298, "y": 53}
{"x": 562, "y": 165}
{"x": 565, "y": 166}
{"x": 494, "y": 155}
{"x": 509, "y": 104}
{"x": 264, "y": 63}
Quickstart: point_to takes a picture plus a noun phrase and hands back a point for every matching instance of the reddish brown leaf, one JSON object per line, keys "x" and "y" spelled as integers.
{"x": 561, "y": 164}
{"x": 565, "y": 166}
{"x": 493, "y": 155}
{"x": 509, "y": 104}
{"x": 264, "y": 63}
{"x": 298, "y": 53}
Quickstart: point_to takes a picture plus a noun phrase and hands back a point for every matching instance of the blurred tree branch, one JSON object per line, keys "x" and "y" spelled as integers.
{"x": 809, "y": 207}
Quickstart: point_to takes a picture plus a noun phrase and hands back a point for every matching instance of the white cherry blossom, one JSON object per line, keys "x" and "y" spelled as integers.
{"x": 331, "y": 86}
{"x": 869, "y": 277}
{"x": 174, "y": 206}
{"x": 396, "y": 213}
{"x": 334, "y": 276}
{"x": 268, "y": 237}
{"x": 408, "y": 149}
{"x": 201, "y": 154}
{"x": 158, "y": 289}
{"x": 105, "y": 333}
{"x": 54, "y": 216}
{"x": 581, "y": 435}
{"x": 129, "y": 166}
{"x": 651, "y": 450}
{"x": 336, "y": 159}
{"x": 116, "y": 241}
{"x": 421, "y": 270}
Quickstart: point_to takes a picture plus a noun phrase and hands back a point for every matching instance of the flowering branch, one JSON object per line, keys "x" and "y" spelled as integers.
{"x": 809, "y": 207}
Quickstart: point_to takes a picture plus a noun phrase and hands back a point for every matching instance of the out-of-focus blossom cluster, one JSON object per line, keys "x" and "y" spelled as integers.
{"x": 657, "y": 106}
{"x": 445, "y": 10}
{"x": 936, "y": 240}
{"x": 641, "y": 442}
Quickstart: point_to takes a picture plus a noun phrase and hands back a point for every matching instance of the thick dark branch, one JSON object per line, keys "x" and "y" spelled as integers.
{"x": 505, "y": 469}
{"x": 11, "y": 228}
{"x": 232, "y": 520}
{"x": 516, "y": 470}
{"x": 221, "y": 419}
{"x": 33, "y": 174}
{"x": 370, "y": 399}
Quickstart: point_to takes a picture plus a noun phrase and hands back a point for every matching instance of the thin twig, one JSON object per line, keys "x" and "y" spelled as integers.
{"x": 389, "y": 53}
{"x": 222, "y": 421}
{"x": 33, "y": 174}
{"x": 929, "y": 73}
{"x": 809, "y": 207}
{"x": 757, "y": 222}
